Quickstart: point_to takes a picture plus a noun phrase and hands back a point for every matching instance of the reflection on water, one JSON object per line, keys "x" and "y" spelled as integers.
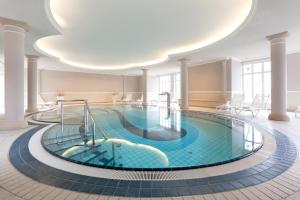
{"x": 168, "y": 120}
{"x": 147, "y": 137}
{"x": 252, "y": 137}
{"x": 139, "y": 125}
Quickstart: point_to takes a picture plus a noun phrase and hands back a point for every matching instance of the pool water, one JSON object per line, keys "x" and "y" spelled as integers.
{"x": 154, "y": 138}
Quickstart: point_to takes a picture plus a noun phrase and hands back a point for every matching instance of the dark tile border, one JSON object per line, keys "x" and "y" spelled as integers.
{"x": 284, "y": 157}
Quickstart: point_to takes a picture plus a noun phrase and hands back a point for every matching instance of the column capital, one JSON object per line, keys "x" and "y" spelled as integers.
{"x": 224, "y": 62}
{"x": 14, "y": 25}
{"x": 183, "y": 60}
{"x": 32, "y": 58}
{"x": 277, "y": 36}
{"x": 144, "y": 70}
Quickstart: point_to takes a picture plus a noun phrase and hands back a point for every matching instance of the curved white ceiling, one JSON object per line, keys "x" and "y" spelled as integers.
{"x": 114, "y": 34}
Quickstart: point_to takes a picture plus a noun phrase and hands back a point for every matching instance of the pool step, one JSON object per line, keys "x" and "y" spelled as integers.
{"x": 96, "y": 154}
{"x": 63, "y": 143}
{"x": 86, "y": 152}
{"x": 61, "y": 140}
{"x": 61, "y": 150}
{"x": 57, "y": 147}
{"x": 61, "y": 137}
{"x": 106, "y": 161}
{"x": 68, "y": 129}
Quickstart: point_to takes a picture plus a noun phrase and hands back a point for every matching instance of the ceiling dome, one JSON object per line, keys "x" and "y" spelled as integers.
{"x": 114, "y": 34}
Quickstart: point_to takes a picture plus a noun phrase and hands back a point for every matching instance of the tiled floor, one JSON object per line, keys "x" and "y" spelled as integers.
{"x": 14, "y": 185}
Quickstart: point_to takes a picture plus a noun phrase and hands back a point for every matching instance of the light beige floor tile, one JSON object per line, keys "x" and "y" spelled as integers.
{"x": 249, "y": 194}
{"x": 53, "y": 194}
{"x": 285, "y": 184}
{"x": 209, "y": 197}
{"x": 93, "y": 197}
{"x": 82, "y": 196}
{"x": 258, "y": 193}
{"x": 275, "y": 190}
{"x": 295, "y": 196}
{"x": 281, "y": 187}
{"x": 219, "y": 196}
{"x": 230, "y": 196}
{"x": 63, "y": 195}
{"x": 35, "y": 192}
{"x": 188, "y": 198}
{"x": 199, "y": 197}
{"x": 177, "y": 198}
{"x": 72, "y": 196}
{"x": 44, "y": 193}
{"x": 29, "y": 187}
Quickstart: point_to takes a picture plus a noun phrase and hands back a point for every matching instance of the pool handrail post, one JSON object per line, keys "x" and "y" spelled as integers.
{"x": 87, "y": 114}
{"x": 94, "y": 133}
{"x": 62, "y": 116}
{"x": 85, "y": 121}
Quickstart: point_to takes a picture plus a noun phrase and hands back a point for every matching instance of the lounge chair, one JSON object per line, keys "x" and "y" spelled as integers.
{"x": 235, "y": 102}
{"x": 259, "y": 103}
{"x": 45, "y": 105}
{"x": 127, "y": 99}
{"x": 139, "y": 101}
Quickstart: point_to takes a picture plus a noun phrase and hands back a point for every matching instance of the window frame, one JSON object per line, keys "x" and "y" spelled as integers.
{"x": 253, "y": 73}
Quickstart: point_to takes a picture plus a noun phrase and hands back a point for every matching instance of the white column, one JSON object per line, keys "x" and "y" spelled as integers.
{"x": 145, "y": 86}
{"x": 279, "y": 77}
{"x": 32, "y": 83}
{"x": 14, "y": 78}
{"x": 184, "y": 101}
{"x": 224, "y": 79}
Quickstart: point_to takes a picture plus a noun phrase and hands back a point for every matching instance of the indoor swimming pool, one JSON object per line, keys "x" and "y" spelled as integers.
{"x": 149, "y": 138}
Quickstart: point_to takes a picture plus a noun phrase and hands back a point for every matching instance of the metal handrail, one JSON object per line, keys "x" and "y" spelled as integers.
{"x": 87, "y": 113}
{"x": 93, "y": 119}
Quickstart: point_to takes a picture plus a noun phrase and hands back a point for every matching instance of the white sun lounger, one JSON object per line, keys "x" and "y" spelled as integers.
{"x": 236, "y": 101}
{"x": 259, "y": 103}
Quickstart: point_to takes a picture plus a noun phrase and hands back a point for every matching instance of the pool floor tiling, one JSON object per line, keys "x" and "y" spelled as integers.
{"x": 278, "y": 177}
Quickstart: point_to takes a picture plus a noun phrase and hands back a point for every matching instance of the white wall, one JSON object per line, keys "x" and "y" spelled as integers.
{"x": 153, "y": 88}
{"x": 206, "y": 82}
{"x": 236, "y": 76}
{"x": 205, "y": 78}
{"x": 206, "y": 85}
{"x": 293, "y": 80}
{"x": 95, "y": 87}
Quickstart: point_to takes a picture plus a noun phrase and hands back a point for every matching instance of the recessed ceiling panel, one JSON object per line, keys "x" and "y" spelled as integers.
{"x": 118, "y": 34}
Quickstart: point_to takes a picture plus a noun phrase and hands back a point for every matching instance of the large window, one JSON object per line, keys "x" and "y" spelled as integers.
{"x": 165, "y": 83}
{"x": 170, "y": 83}
{"x": 256, "y": 79}
{"x": 176, "y": 91}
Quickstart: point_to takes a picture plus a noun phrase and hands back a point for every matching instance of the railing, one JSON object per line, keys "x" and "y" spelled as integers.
{"x": 87, "y": 114}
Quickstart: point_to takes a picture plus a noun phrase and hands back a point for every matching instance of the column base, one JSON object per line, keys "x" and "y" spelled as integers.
{"x": 279, "y": 117}
{"x": 8, "y": 126}
{"x": 32, "y": 110}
